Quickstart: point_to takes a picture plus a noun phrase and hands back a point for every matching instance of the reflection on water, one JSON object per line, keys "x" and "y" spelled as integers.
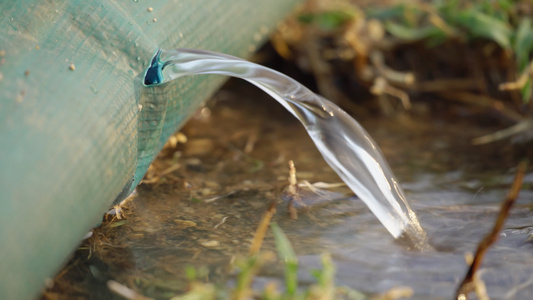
{"x": 454, "y": 187}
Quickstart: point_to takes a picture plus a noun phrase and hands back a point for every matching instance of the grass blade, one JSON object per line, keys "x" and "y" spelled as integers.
{"x": 286, "y": 253}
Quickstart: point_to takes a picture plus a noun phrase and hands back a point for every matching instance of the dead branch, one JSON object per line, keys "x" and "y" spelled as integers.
{"x": 293, "y": 192}
{"x": 381, "y": 87}
{"x": 468, "y": 285}
{"x": 518, "y": 128}
{"x": 483, "y": 101}
{"x": 442, "y": 85}
{"x": 262, "y": 228}
{"x": 403, "y": 78}
{"x": 520, "y": 82}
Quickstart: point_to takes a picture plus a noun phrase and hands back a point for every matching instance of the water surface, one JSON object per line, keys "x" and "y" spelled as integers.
{"x": 454, "y": 187}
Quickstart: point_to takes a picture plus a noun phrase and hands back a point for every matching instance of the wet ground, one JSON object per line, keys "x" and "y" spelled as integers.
{"x": 205, "y": 198}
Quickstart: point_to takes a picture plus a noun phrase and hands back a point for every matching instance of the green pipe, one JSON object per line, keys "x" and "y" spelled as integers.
{"x": 72, "y": 132}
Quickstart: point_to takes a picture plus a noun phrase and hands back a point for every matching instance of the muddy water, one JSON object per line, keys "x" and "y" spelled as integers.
{"x": 239, "y": 147}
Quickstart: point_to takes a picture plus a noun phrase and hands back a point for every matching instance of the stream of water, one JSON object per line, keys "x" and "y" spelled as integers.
{"x": 341, "y": 140}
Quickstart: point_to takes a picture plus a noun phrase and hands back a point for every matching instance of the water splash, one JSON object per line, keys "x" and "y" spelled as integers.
{"x": 343, "y": 143}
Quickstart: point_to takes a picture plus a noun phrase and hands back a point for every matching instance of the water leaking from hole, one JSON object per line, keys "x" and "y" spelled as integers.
{"x": 343, "y": 143}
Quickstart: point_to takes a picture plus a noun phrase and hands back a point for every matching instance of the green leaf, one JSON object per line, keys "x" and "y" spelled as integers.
{"x": 523, "y": 46}
{"x": 327, "y": 20}
{"x": 412, "y": 34}
{"x": 286, "y": 253}
{"x": 480, "y": 25}
{"x": 526, "y": 91}
{"x": 333, "y": 19}
{"x": 380, "y": 13}
{"x": 249, "y": 267}
{"x": 523, "y": 43}
{"x": 196, "y": 200}
{"x": 506, "y": 5}
{"x": 306, "y": 18}
{"x": 190, "y": 273}
{"x": 118, "y": 223}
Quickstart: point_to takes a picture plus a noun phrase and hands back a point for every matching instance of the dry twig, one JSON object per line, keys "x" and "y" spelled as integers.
{"x": 293, "y": 191}
{"x": 468, "y": 283}
{"x": 381, "y": 86}
{"x": 444, "y": 85}
{"x": 483, "y": 101}
{"x": 518, "y": 128}
{"x": 262, "y": 228}
{"x": 520, "y": 82}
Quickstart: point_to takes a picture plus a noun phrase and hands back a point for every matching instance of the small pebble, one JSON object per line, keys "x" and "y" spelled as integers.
{"x": 72, "y": 67}
{"x": 49, "y": 283}
{"x": 154, "y": 20}
{"x": 149, "y": 9}
{"x": 27, "y": 73}
{"x": 2, "y": 53}
{"x": 88, "y": 235}
{"x": 211, "y": 184}
{"x": 210, "y": 244}
{"x": 199, "y": 147}
{"x": 182, "y": 224}
{"x": 181, "y": 138}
